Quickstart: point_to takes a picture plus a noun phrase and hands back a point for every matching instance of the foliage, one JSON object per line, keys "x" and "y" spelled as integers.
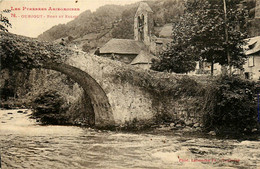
{"x": 49, "y": 106}
{"x": 4, "y": 21}
{"x": 125, "y": 28}
{"x": 18, "y": 52}
{"x": 87, "y": 22}
{"x": 113, "y": 20}
{"x": 175, "y": 58}
{"x": 210, "y": 41}
{"x": 188, "y": 87}
{"x": 232, "y": 106}
{"x": 200, "y": 34}
{"x": 14, "y": 84}
{"x": 167, "y": 11}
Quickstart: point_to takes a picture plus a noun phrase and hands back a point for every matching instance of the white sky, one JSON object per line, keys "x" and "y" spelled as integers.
{"x": 33, "y": 27}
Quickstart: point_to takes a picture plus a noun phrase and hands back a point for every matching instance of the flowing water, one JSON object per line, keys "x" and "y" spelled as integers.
{"x": 25, "y": 144}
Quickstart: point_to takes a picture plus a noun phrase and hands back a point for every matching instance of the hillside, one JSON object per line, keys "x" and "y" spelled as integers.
{"x": 93, "y": 29}
{"x": 86, "y": 22}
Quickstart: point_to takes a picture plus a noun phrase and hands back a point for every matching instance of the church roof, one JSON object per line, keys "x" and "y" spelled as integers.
{"x": 143, "y": 7}
{"x": 122, "y": 46}
{"x": 253, "y": 45}
{"x": 143, "y": 57}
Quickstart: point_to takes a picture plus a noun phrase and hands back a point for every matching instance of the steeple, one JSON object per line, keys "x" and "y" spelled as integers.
{"x": 143, "y": 7}
{"x": 143, "y": 23}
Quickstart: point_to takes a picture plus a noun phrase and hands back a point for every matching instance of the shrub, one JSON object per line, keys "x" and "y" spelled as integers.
{"x": 49, "y": 107}
{"x": 231, "y": 105}
{"x": 188, "y": 87}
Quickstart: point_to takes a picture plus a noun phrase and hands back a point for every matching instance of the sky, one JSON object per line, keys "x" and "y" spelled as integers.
{"x": 32, "y": 23}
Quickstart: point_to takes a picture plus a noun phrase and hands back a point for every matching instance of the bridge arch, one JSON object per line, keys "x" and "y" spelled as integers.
{"x": 95, "y": 97}
{"x": 22, "y": 52}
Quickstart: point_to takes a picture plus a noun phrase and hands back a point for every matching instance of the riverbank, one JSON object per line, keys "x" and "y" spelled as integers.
{"x": 165, "y": 128}
{"x": 26, "y": 144}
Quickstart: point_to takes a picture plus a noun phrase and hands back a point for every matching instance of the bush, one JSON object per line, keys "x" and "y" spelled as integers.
{"x": 188, "y": 87}
{"x": 231, "y": 104}
{"x": 49, "y": 107}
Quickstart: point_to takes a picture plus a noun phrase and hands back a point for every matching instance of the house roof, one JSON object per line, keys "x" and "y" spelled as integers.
{"x": 143, "y": 7}
{"x": 143, "y": 57}
{"x": 253, "y": 45}
{"x": 122, "y": 46}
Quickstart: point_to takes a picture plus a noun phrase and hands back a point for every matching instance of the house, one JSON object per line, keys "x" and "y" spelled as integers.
{"x": 252, "y": 65}
{"x": 124, "y": 50}
{"x": 143, "y": 60}
{"x": 143, "y": 48}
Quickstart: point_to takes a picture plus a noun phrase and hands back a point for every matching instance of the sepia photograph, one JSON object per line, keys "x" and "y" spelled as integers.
{"x": 130, "y": 84}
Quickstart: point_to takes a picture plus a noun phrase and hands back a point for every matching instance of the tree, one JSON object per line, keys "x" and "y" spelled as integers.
{"x": 220, "y": 33}
{"x": 200, "y": 34}
{"x": 176, "y": 58}
{"x": 4, "y": 21}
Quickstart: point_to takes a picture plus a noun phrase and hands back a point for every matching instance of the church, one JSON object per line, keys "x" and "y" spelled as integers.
{"x": 144, "y": 47}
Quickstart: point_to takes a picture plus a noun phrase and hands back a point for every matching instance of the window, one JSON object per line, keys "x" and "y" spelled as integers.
{"x": 251, "y": 61}
{"x": 247, "y": 75}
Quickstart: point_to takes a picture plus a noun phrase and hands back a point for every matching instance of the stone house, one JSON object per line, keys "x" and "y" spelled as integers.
{"x": 252, "y": 65}
{"x": 124, "y": 50}
{"x": 143, "y": 60}
{"x": 143, "y": 48}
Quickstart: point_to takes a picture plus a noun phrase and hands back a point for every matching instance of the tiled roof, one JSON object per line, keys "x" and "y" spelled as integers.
{"x": 253, "y": 45}
{"x": 143, "y": 57}
{"x": 122, "y": 46}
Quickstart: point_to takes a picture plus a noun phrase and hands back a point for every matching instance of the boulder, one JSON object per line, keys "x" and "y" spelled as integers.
{"x": 178, "y": 125}
{"x": 196, "y": 125}
{"x": 189, "y": 123}
{"x": 213, "y": 133}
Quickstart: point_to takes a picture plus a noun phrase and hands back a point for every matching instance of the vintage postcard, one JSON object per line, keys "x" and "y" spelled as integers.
{"x": 130, "y": 84}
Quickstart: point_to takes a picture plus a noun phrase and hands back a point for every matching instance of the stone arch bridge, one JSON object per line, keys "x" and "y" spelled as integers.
{"x": 118, "y": 93}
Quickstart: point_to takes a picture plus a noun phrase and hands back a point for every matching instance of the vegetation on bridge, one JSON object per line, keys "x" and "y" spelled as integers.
{"x": 231, "y": 107}
{"x": 18, "y": 52}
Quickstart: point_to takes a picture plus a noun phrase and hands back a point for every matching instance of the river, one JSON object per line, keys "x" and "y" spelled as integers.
{"x": 26, "y": 144}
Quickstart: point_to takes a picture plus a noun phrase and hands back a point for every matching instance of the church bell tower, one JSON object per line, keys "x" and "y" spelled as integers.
{"x": 143, "y": 23}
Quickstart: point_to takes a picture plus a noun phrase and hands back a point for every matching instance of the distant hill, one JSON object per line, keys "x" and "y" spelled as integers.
{"x": 111, "y": 21}
{"x": 93, "y": 29}
{"x": 86, "y": 22}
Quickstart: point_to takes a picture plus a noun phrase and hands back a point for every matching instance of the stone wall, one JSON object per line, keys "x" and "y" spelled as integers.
{"x": 131, "y": 101}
